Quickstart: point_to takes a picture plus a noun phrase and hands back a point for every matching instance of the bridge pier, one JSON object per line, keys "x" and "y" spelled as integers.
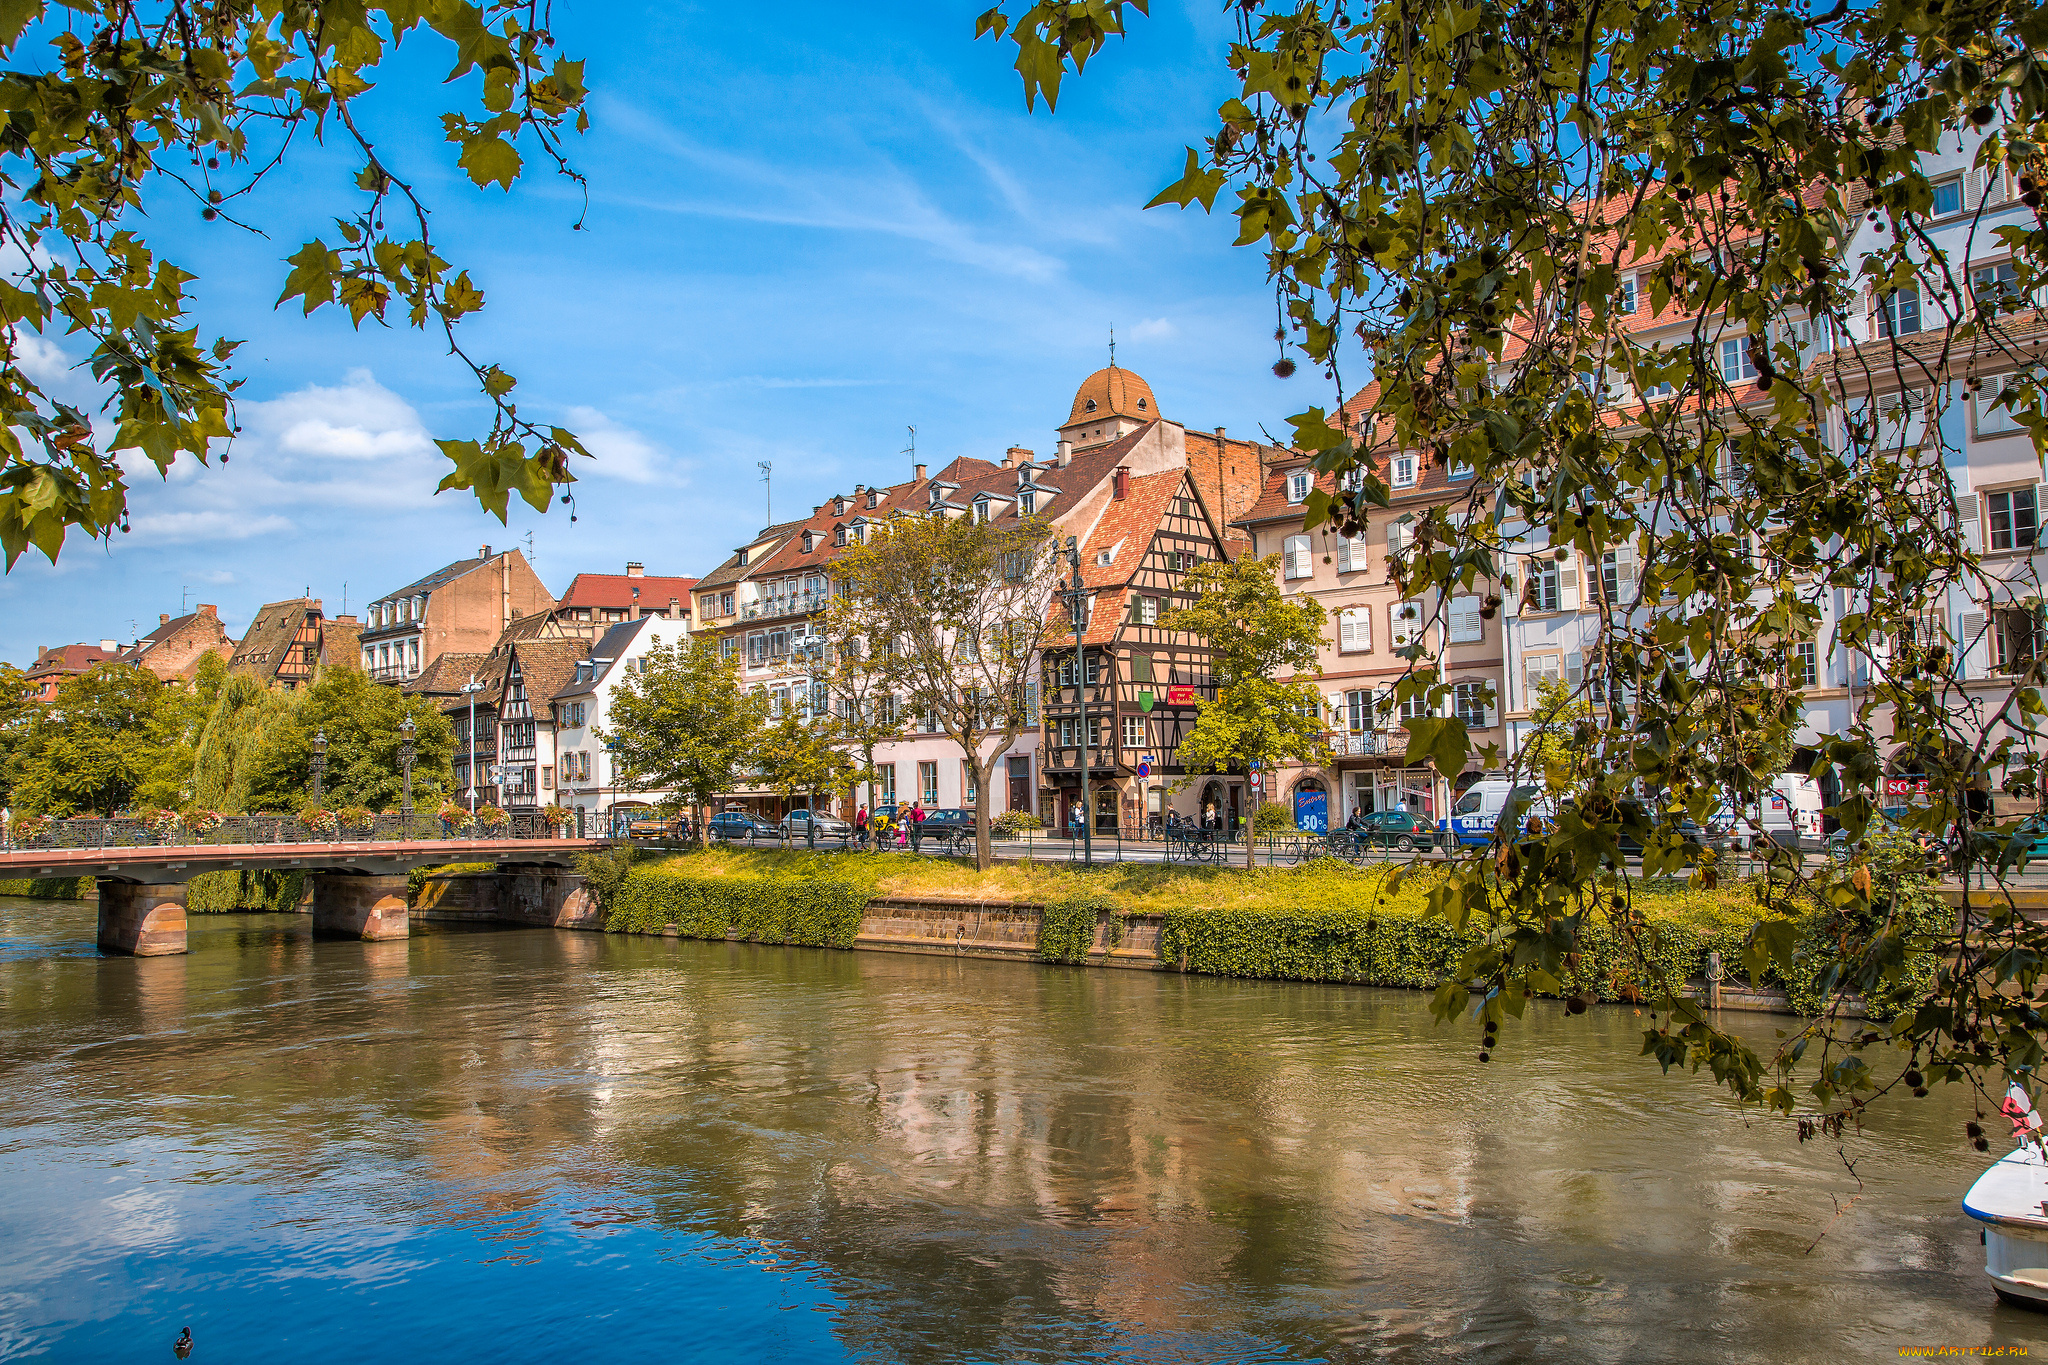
{"x": 142, "y": 921}
{"x": 368, "y": 908}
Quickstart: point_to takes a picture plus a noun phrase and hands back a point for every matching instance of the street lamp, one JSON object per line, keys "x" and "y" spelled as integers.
{"x": 405, "y": 729}
{"x": 1077, "y": 605}
{"x": 472, "y": 687}
{"x": 319, "y": 762}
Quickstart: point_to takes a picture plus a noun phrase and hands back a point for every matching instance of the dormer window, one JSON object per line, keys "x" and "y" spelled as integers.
{"x": 839, "y": 507}
{"x": 981, "y": 516}
{"x": 1298, "y": 485}
{"x": 1141, "y": 405}
{"x": 807, "y": 542}
{"x": 1027, "y": 504}
{"x": 1090, "y": 407}
{"x": 935, "y": 495}
{"x": 874, "y": 498}
{"x": 743, "y": 559}
{"x": 839, "y": 535}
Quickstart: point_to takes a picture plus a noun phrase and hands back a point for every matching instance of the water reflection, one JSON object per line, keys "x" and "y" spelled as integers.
{"x": 523, "y": 1142}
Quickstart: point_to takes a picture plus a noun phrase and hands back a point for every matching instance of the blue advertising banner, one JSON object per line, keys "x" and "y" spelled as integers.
{"x": 1312, "y": 812}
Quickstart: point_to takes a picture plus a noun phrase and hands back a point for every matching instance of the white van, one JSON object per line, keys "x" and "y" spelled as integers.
{"x": 1480, "y": 807}
{"x": 1787, "y": 814}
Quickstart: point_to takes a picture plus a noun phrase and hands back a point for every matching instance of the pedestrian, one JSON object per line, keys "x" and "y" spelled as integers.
{"x": 860, "y": 828}
{"x": 1074, "y": 821}
{"x": 916, "y": 822}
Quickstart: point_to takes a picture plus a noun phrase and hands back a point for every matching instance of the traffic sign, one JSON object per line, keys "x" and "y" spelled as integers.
{"x": 1145, "y": 767}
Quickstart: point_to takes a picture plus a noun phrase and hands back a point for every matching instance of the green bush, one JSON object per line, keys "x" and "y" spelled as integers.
{"x": 45, "y": 888}
{"x": 1273, "y": 821}
{"x": 604, "y": 873}
{"x": 1011, "y": 823}
{"x": 814, "y": 912}
{"x": 1341, "y": 924}
{"x": 221, "y": 893}
{"x": 1066, "y": 931}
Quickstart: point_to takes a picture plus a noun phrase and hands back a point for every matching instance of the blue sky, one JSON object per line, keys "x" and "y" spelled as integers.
{"x": 805, "y": 234}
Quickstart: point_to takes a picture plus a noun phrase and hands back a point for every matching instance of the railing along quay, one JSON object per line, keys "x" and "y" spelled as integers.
{"x": 126, "y": 832}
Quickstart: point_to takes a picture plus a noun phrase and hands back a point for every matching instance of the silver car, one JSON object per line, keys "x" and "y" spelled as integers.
{"x": 797, "y": 825}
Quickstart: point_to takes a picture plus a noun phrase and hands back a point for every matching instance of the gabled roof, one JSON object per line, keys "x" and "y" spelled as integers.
{"x": 445, "y": 675}
{"x": 1130, "y": 523}
{"x": 271, "y": 633}
{"x": 447, "y": 573}
{"x": 547, "y": 666}
{"x": 70, "y": 659}
{"x": 604, "y": 654}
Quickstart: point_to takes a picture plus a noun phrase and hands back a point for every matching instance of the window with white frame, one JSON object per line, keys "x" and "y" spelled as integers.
{"x": 1469, "y": 704}
{"x": 1416, "y": 707}
{"x": 928, "y": 782}
{"x": 2014, "y": 518}
{"x": 1948, "y": 196}
{"x": 1354, "y": 630}
{"x": 1145, "y": 610}
{"x": 1401, "y": 471}
{"x": 1898, "y": 313}
{"x": 1625, "y": 295}
{"x": 1538, "y": 669}
{"x": 1298, "y": 485}
{"x": 1359, "y": 710}
{"x": 1805, "y": 664}
{"x": 1070, "y": 731}
{"x": 970, "y": 790}
{"x": 887, "y": 775}
{"x": 1134, "y": 732}
{"x": 1738, "y": 362}
{"x": 1995, "y": 285}
{"x": 1297, "y": 558}
{"x": 1542, "y": 591}
{"x": 1352, "y": 556}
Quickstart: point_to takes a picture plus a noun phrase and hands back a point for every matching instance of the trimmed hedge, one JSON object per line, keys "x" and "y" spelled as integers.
{"x": 45, "y": 888}
{"x": 1066, "y": 929}
{"x": 804, "y": 911}
{"x": 223, "y": 893}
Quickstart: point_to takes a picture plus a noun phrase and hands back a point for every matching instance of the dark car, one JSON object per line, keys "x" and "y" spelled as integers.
{"x": 737, "y": 824}
{"x": 797, "y": 826}
{"x": 1401, "y": 829}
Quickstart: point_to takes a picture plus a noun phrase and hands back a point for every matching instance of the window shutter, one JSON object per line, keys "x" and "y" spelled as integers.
{"x": 2041, "y": 514}
{"x": 1344, "y": 555}
{"x": 1972, "y": 645}
{"x": 1625, "y": 571}
{"x": 1568, "y": 584}
{"x": 1354, "y": 629}
{"x": 1970, "y": 522}
{"x": 1405, "y": 624}
{"x": 1397, "y": 537}
{"x": 1297, "y": 557}
{"x": 1467, "y": 626}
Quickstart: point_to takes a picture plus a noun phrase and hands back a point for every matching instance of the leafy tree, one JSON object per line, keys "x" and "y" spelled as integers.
{"x": 1471, "y": 209}
{"x": 120, "y": 110}
{"x": 116, "y": 738}
{"x": 867, "y": 713}
{"x": 360, "y": 720}
{"x": 1561, "y": 738}
{"x": 948, "y": 612}
{"x": 798, "y": 755}
{"x": 684, "y": 723}
{"x": 17, "y": 709}
{"x": 233, "y": 738}
{"x": 1254, "y": 633}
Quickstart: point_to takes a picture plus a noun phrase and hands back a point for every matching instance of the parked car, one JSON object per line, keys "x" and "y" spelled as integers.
{"x": 737, "y": 824}
{"x": 944, "y": 822}
{"x": 1401, "y": 829}
{"x": 654, "y": 827}
{"x": 798, "y": 825}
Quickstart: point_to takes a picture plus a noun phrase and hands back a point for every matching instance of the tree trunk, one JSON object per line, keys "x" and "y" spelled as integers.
{"x": 984, "y": 843}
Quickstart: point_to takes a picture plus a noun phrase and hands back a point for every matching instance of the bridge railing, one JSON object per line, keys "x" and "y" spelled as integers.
{"x": 126, "y": 832}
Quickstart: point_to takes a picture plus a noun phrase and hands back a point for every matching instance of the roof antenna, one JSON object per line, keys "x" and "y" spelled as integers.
{"x": 767, "y": 469}
{"x": 185, "y": 600}
{"x": 911, "y": 451}
{"x": 344, "y": 597}
{"x": 1112, "y": 348}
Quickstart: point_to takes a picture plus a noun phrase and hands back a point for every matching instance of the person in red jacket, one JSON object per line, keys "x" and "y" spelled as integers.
{"x": 916, "y": 825}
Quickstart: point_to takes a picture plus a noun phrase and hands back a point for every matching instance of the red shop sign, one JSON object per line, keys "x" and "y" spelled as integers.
{"x": 1180, "y": 696}
{"x": 1905, "y": 786}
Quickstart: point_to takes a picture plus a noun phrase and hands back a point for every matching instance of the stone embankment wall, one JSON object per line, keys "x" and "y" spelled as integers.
{"x": 544, "y": 898}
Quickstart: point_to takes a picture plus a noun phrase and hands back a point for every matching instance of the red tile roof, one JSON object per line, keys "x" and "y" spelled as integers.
{"x": 615, "y": 590}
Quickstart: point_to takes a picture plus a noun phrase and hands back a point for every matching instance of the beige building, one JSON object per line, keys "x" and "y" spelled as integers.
{"x": 461, "y": 608}
{"x": 173, "y": 650}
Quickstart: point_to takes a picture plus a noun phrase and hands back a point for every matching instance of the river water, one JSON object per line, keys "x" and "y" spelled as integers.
{"x": 543, "y": 1145}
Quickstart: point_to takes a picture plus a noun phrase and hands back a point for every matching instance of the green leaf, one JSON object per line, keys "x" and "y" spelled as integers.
{"x": 1196, "y": 183}
{"x": 489, "y": 158}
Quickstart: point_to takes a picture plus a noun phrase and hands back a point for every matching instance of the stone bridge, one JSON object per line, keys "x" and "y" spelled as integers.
{"x": 359, "y": 889}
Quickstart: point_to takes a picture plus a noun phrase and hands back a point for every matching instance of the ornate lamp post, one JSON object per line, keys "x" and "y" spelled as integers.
{"x": 1077, "y": 607}
{"x": 405, "y": 767}
{"x": 319, "y": 762}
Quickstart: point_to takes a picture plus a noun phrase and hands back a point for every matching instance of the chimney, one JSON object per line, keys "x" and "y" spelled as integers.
{"x": 208, "y": 609}
{"x": 1017, "y": 455}
{"x": 484, "y": 552}
{"x": 163, "y": 618}
{"x": 1120, "y": 488}
{"x": 920, "y": 473}
{"x": 1066, "y": 455}
{"x": 1219, "y": 436}
{"x": 635, "y": 570}
{"x": 110, "y": 646}
{"x": 675, "y": 608}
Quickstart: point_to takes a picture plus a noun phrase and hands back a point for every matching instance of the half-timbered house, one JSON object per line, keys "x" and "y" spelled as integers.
{"x": 1127, "y": 693}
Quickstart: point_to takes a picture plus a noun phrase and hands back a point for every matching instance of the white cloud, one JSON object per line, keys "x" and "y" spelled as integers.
{"x": 178, "y": 528}
{"x": 1154, "y": 329}
{"x": 40, "y": 358}
{"x": 619, "y": 452}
